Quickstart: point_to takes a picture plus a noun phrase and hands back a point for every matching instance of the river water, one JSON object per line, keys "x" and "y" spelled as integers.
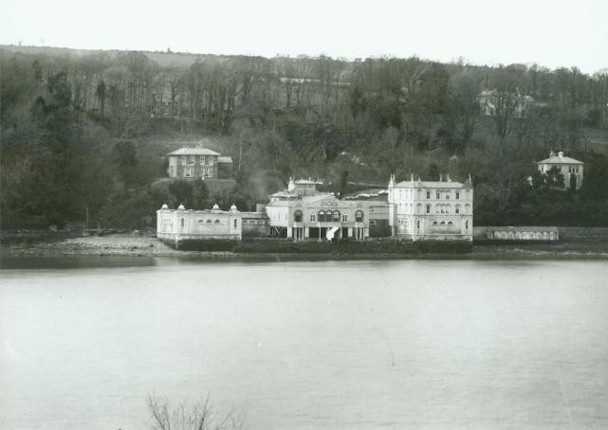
{"x": 307, "y": 345}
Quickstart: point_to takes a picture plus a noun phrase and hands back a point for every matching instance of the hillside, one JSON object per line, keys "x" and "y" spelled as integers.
{"x": 87, "y": 131}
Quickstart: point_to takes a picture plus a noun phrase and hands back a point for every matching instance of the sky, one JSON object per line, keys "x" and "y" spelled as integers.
{"x": 551, "y": 33}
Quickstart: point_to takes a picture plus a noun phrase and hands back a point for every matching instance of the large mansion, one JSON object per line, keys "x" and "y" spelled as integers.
{"x": 441, "y": 210}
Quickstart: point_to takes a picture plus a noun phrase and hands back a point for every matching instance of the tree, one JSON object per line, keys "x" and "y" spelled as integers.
{"x": 555, "y": 178}
{"x": 100, "y": 92}
{"x": 198, "y": 416}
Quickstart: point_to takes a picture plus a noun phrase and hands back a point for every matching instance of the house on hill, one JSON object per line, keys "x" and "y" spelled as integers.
{"x": 569, "y": 167}
{"x": 198, "y": 163}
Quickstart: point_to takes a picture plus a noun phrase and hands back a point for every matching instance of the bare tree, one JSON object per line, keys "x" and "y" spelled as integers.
{"x": 198, "y": 416}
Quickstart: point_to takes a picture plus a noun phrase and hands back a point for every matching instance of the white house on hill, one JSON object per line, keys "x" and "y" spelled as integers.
{"x": 569, "y": 167}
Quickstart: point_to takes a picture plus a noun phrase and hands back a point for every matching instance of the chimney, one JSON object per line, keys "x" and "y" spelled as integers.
{"x": 560, "y": 154}
{"x": 551, "y": 154}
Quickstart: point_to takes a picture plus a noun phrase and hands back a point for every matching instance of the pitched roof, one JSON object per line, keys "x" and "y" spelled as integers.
{"x": 194, "y": 151}
{"x": 430, "y": 184}
{"x": 556, "y": 159}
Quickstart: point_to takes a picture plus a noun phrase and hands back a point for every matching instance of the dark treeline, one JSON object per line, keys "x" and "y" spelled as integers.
{"x": 83, "y": 137}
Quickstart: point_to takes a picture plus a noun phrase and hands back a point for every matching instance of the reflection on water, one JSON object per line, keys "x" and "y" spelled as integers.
{"x": 407, "y": 344}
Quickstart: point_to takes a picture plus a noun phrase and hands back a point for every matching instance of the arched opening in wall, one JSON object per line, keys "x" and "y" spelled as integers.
{"x": 359, "y": 216}
{"x": 336, "y": 215}
{"x": 321, "y": 216}
{"x": 297, "y": 216}
{"x": 428, "y": 209}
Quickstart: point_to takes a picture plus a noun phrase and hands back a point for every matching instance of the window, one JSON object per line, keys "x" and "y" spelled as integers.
{"x": 457, "y": 195}
{"x": 434, "y": 222}
{"x": 344, "y": 218}
{"x": 183, "y": 160}
{"x": 428, "y": 195}
{"x": 234, "y": 223}
{"x": 457, "y": 209}
{"x": 297, "y": 216}
{"x": 418, "y": 224}
{"x": 450, "y": 223}
{"x": 313, "y": 218}
{"x": 359, "y": 216}
{"x": 428, "y": 209}
{"x": 217, "y": 221}
{"x": 447, "y": 195}
{"x": 336, "y": 216}
{"x": 438, "y": 196}
{"x": 321, "y": 216}
{"x": 182, "y": 222}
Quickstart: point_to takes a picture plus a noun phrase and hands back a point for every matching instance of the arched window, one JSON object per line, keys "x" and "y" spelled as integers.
{"x": 450, "y": 223}
{"x": 321, "y": 216}
{"x": 297, "y": 216}
{"x": 442, "y": 223}
{"x": 217, "y": 221}
{"x": 457, "y": 195}
{"x": 359, "y": 216}
{"x": 336, "y": 215}
{"x": 234, "y": 223}
{"x": 428, "y": 209}
{"x": 208, "y": 221}
{"x": 457, "y": 209}
{"x": 434, "y": 222}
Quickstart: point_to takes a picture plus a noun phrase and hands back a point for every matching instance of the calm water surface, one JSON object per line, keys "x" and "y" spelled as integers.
{"x": 323, "y": 345}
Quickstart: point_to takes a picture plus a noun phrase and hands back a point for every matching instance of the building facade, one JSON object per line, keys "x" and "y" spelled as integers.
{"x": 180, "y": 224}
{"x": 569, "y": 167}
{"x": 422, "y": 210}
{"x": 301, "y": 212}
{"x": 198, "y": 163}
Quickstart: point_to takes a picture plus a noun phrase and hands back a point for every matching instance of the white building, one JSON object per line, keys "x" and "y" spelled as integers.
{"x": 569, "y": 167}
{"x": 301, "y": 212}
{"x": 187, "y": 224}
{"x": 440, "y": 210}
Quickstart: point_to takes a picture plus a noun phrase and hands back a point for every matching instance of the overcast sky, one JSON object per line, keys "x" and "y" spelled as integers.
{"x": 552, "y": 33}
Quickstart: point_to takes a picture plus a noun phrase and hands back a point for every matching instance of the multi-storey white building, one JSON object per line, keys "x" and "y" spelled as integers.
{"x": 569, "y": 167}
{"x": 301, "y": 212}
{"x": 423, "y": 210}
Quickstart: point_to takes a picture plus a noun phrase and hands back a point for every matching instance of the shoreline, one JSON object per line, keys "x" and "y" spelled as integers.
{"x": 132, "y": 246}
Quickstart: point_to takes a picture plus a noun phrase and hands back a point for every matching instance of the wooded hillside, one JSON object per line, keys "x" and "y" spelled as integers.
{"x": 83, "y": 135}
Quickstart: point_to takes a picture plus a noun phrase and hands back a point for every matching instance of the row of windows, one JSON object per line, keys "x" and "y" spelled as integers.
{"x": 203, "y": 159}
{"x": 572, "y": 169}
{"x": 445, "y": 209}
{"x": 438, "y": 194}
{"x": 327, "y": 216}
